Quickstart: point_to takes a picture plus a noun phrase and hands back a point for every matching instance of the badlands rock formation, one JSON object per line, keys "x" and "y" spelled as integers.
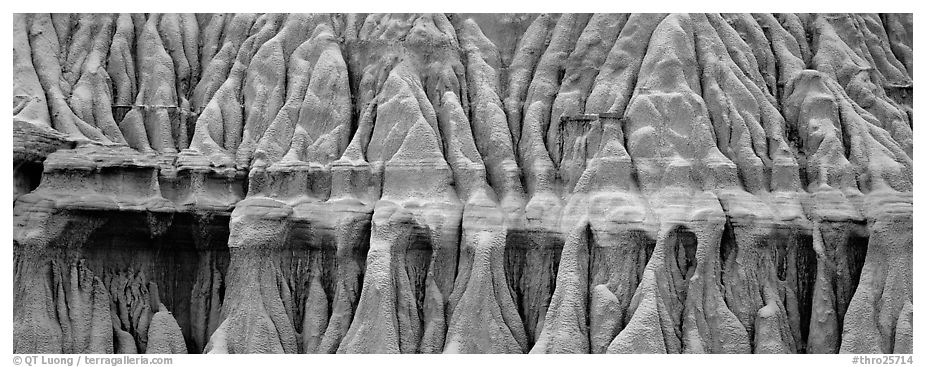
{"x": 486, "y": 183}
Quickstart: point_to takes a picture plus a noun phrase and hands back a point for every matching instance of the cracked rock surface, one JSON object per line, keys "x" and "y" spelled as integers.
{"x": 463, "y": 183}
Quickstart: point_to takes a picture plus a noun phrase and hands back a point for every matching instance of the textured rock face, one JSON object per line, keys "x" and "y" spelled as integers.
{"x": 489, "y": 183}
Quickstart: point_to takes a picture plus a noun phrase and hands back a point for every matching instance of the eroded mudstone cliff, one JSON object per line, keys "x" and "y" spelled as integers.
{"x": 488, "y": 183}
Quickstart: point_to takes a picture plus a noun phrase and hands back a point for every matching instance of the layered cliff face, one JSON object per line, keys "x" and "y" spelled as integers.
{"x": 488, "y": 183}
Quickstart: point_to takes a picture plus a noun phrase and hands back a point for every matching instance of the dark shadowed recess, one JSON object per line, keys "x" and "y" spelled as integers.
{"x": 167, "y": 251}
{"x": 531, "y": 263}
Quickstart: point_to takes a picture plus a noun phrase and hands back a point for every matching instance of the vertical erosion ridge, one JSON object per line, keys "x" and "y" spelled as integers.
{"x": 463, "y": 183}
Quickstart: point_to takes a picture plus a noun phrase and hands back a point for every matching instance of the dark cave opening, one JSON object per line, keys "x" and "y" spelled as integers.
{"x": 26, "y": 177}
